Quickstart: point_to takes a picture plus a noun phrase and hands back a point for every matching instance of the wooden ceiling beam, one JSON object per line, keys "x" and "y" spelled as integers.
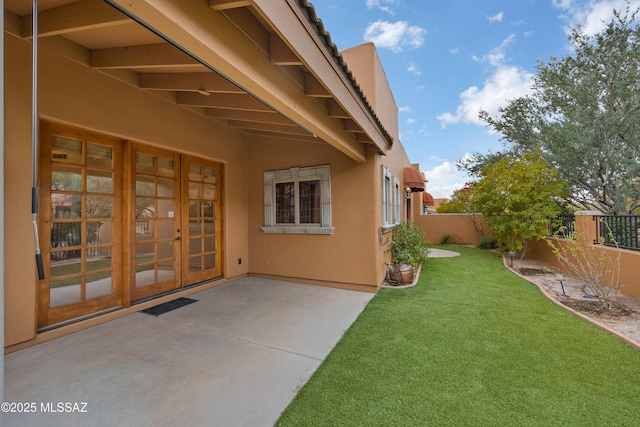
{"x": 146, "y": 56}
{"x": 188, "y": 82}
{"x": 266, "y": 127}
{"x": 223, "y": 100}
{"x": 280, "y": 53}
{"x": 247, "y": 116}
{"x": 78, "y": 16}
{"x": 228, "y": 4}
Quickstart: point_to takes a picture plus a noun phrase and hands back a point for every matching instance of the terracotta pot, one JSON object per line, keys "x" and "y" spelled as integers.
{"x": 402, "y": 273}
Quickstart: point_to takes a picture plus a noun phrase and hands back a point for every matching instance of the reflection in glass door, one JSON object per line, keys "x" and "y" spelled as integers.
{"x": 202, "y": 254}
{"x": 156, "y": 247}
{"x": 83, "y": 224}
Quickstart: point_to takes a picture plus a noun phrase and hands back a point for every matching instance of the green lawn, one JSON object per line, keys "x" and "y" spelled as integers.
{"x": 471, "y": 345}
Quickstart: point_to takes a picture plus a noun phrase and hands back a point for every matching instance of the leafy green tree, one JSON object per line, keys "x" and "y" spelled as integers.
{"x": 583, "y": 114}
{"x": 458, "y": 203}
{"x": 517, "y": 196}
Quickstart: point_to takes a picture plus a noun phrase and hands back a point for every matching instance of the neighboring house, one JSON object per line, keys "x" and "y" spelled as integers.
{"x": 185, "y": 144}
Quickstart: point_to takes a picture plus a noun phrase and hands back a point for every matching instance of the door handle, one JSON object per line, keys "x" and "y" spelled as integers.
{"x": 178, "y": 238}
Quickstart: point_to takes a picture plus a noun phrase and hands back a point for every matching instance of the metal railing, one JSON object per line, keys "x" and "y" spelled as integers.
{"x": 564, "y": 226}
{"x": 619, "y": 231}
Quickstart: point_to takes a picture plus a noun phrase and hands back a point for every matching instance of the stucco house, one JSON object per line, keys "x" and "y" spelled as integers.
{"x": 184, "y": 144}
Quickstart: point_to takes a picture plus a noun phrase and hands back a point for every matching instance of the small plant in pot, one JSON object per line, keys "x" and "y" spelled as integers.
{"x": 409, "y": 249}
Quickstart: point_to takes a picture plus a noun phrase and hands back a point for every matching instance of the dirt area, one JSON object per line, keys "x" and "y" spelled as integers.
{"x": 623, "y": 318}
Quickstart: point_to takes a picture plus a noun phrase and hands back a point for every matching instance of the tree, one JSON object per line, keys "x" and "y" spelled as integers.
{"x": 459, "y": 202}
{"x": 583, "y": 114}
{"x": 517, "y": 196}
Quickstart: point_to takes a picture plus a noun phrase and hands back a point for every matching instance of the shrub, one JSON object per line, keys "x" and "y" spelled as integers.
{"x": 487, "y": 242}
{"x": 409, "y": 245}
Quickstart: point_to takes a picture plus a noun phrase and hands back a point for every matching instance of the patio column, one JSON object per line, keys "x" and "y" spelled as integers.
{"x": 586, "y": 226}
{"x": 2, "y": 204}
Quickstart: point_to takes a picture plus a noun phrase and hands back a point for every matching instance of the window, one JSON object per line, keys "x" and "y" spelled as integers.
{"x": 396, "y": 200}
{"x": 387, "y": 200}
{"x": 298, "y": 200}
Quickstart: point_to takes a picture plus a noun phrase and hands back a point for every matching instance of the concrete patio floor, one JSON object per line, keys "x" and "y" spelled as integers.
{"x": 236, "y": 357}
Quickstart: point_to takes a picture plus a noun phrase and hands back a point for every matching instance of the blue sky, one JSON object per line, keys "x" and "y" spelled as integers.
{"x": 446, "y": 59}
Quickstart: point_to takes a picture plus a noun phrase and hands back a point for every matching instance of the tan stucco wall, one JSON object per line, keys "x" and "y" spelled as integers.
{"x": 343, "y": 257}
{"x": 458, "y": 226}
{"x": 74, "y": 94}
{"x": 365, "y": 64}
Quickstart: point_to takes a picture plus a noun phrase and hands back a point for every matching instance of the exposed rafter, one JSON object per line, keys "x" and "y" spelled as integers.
{"x": 228, "y": 4}
{"x": 79, "y": 16}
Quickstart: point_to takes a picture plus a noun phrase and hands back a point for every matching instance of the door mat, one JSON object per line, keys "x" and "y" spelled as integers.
{"x": 166, "y": 307}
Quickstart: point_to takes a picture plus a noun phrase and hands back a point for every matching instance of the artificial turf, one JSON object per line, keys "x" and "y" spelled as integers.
{"x": 471, "y": 345}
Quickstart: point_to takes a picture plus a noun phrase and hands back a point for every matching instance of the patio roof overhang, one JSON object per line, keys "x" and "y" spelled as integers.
{"x": 262, "y": 67}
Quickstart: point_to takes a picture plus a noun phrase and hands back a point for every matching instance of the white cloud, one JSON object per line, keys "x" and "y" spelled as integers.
{"x": 592, "y": 17}
{"x": 411, "y": 121}
{"x": 395, "y": 36}
{"x": 444, "y": 179}
{"x": 496, "y": 18}
{"x": 404, "y": 109}
{"x": 414, "y": 70}
{"x": 379, "y": 4}
{"x": 507, "y": 82}
{"x": 497, "y": 54}
{"x": 454, "y": 50}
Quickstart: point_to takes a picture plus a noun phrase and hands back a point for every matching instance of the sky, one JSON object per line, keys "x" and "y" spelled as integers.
{"x": 447, "y": 59}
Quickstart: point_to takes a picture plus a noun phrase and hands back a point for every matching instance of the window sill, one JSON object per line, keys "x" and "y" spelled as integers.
{"x": 297, "y": 230}
{"x": 389, "y": 227}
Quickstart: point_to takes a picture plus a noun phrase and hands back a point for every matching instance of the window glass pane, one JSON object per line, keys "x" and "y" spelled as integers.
{"x": 66, "y": 206}
{"x": 96, "y": 261}
{"x": 64, "y": 291}
{"x": 195, "y": 246}
{"x": 209, "y": 244}
{"x": 66, "y": 150}
{"x": 285, "y": 203}
{"x": 310, "y": 202}
{"x": 195, "y": 264}
{"x": 99, "y": 156}
{"x": 166, "y": 230}
{"x": 209, "y": 261}
{"x": 209, "y": 192}
{"x": 64, "y": 263}
{"x": 145, "y": 186}
{"x": 99, "y": 181}
{"x": 165, "y": 251}
{"x": 145, "y": 208}
{"x": 66, "y": 178}
{"x": 166, "y": 187}
{"x": 144, "y": 228}
{"x": 145, "y": 164}
{"x": 98, "y": 284}
{"x": 144, "y": 253}
{"x": 195, "y": 227}
{"x": 208, "y": 210}
{"x": 166, "y": 167}
{"x": 209, "y": 175}
{"x": 166, "y": 271}
{"x": 195, "y": 172}
{"x": 98, "y": 233}
{"x": 195, "y": 210}
{"x": 195, "y": 190}
{"x": 166, "y": 208}
{"x": 64, "y": 234}
{"x": 99, "y": 207}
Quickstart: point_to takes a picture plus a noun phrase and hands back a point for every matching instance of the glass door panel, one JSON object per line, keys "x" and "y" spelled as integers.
{"x": 84, "y": 221}
{"x": 156, "y": 249}
{"x": 202, "y": 184}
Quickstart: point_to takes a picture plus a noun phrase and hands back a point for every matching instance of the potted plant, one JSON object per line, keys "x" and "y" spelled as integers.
{"x": 409, "y": 249}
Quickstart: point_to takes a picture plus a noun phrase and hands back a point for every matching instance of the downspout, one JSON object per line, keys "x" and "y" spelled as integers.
{"x": 34, "y": 143}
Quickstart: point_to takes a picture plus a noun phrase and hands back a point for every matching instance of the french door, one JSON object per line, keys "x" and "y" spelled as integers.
{"x": 121, "y": 222}
{"x": 156, "y": 248}
{"x": 80, "y": 223}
